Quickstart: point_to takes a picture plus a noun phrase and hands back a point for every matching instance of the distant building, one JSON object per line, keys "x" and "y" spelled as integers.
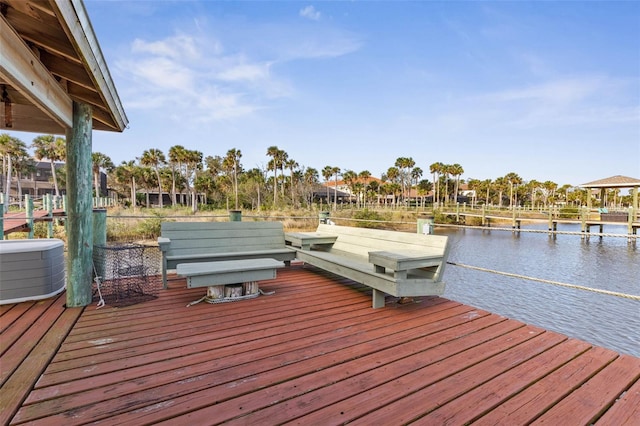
{"x": 39, "y": 182}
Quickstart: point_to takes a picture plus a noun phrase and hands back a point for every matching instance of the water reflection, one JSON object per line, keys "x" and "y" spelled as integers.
{"x": 605, "y": 263}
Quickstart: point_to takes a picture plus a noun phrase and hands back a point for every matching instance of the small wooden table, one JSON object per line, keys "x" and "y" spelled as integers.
{"x": 305, "y": 240}
{"x": 403, "y": 260}
{"x": 205, "y": 274}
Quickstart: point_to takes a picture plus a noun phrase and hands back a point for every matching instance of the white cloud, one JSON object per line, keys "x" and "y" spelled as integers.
{"x": 574, "y": 101}
{"x": 310, "y": 12}
{"x": 247, "y": 72}
{"x": 176, "y": 47}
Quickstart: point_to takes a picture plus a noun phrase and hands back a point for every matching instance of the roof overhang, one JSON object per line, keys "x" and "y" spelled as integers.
{"x": 49, "y": 58}
{"x": 613, "y": 182}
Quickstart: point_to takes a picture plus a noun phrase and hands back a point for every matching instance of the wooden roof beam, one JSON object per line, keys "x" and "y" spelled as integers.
{"x": 80, "y": 31}
{"x": 26, "y": 74}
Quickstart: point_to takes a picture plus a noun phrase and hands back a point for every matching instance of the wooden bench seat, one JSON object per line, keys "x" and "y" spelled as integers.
{"x": 396, "y": 263}
{"x": 196, "y": 242}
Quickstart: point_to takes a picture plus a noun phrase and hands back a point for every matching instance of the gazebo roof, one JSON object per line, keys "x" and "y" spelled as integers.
{"x": 50, "y": 57}
{"x": 613, "y": 182}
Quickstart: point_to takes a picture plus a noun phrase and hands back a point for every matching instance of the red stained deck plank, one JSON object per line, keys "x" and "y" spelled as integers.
{"x": 483, "y": 398}
{"x": 526, "y": 406}
{"x": 313, "y": 353}
{"x": 589, "y": 401}
{"x": 41, "y": 346}
{"x": 625, "y": 411}
{"x": 25, "y": 333}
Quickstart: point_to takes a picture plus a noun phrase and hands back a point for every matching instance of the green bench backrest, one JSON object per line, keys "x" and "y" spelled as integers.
{"x": 219, "y": 237}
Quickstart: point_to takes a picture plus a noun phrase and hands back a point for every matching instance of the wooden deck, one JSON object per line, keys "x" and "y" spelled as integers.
{"x": 315, "y": 352}
{"x": 17, "y": 222}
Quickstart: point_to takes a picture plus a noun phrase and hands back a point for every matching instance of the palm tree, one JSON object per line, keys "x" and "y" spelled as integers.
{"x": 52, "y": 148}
{"x": 446, "y": 171}
{"x": 350, "y": 177}
{"x": 404, "y": 165}
{"x": 100, "y": 162}
{"x": 327, "y": 172}
{"x": 335, "y": 171}
{"x": 423, "y": 188}
{"x": 192, "y": 166}
{"x": 126, "y": 174}
{"x": 231, "y": 164}
{"x": 456, "y": 170}
{"x": 310, "y": 178}
{"x": 550, "y": 192}
{"x": 416, "y": 174}
{"x": 435, "y": 169}
{"x": 155, "y": 158}
{"x": 254, "y": 180}
{"x": 274, "y": 164}
{"x": 393, "y": 174}
{"x": 11, "y": 149}
{"x": 177, "y": 157}
{"x": 365, "y": 175}
{"x": 292, "y": 165}
{"x": 513, "y": 179}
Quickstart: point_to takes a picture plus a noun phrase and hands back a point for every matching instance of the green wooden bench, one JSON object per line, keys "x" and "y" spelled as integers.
{"x": 191, "y": 242}
{"x": 397, "y": 263}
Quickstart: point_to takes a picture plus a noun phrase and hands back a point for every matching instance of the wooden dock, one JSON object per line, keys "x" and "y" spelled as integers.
{"x": 517, "y": 221}
{"x": 18, "y": 222}
{"x": 312, "y": 353}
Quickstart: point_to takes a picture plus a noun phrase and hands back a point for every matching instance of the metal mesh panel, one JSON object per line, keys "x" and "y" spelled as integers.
{"x": 127, "y": 273}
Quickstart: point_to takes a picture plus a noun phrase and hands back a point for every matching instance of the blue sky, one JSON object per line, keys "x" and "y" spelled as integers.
{"x": 548, "y": 90}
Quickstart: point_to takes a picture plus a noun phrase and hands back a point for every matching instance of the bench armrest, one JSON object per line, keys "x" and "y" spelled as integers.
{"x": 401, "y": 262}
{"x": 164, "y": 243}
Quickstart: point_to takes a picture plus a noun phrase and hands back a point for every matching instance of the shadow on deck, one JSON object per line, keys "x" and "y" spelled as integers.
{"x": 315, "y": 352}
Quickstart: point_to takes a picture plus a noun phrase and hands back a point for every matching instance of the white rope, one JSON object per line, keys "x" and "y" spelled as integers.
{"x": 215, "y": 300}
{"x": 101, "y": 302}
{"x": 574, "y": 286}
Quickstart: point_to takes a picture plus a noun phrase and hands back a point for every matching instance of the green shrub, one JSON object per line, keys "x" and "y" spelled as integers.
{"x": 367, "y": 217}
{"x": 570, "y": 213}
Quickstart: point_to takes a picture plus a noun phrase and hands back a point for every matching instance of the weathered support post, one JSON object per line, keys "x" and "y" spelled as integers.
{"x": 235, "y": 215}
{"x": 484, "y": 215}
{"x": 28, "y": 204}
{"x": 49, "y": 204}
{"x": 79, "y": 208}
{"x": 2, "y": 219}
{"x": 99, "y": 241}
{"x": 457, "y": 212}
{"x": 583, "y": 221}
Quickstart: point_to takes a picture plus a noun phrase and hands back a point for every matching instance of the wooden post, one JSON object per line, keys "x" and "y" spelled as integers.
{"x": 635, "y": 207}
{"x": 583, "y": 220}
{"x": 484, "y": 215}
{"x": 49, "y": 204}
{"x": 2, "y": 219}
{"x": 79, "y": 207}
{"x": 28, "y": 202}
{"x": 100, "y": 240}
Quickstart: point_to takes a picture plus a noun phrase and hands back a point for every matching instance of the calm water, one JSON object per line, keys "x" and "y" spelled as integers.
{"x": 608, "y": 263}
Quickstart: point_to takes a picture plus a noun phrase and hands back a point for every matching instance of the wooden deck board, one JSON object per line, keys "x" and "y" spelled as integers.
{"x": 315, "y": 352}
{"x": 36, "y": 347}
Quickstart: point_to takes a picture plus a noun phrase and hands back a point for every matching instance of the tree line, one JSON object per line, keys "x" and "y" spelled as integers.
{"x": 188, "y": 177}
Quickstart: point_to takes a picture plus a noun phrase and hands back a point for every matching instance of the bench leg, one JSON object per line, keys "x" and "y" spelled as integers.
{"x": 378, "y": 299}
